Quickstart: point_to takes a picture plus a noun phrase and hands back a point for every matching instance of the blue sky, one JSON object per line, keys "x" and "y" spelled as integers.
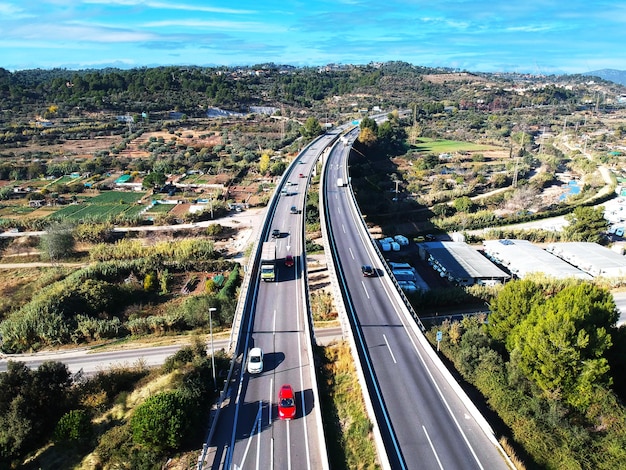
{"x": 536, "y": 36}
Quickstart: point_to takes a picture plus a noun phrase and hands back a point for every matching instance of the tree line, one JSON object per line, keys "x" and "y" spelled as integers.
{"x": 550, "y": 363}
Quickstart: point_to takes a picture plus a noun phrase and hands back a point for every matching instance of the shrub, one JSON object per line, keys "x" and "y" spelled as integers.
{"x": 162, "y": 421}
{"x": 73, "y": 427}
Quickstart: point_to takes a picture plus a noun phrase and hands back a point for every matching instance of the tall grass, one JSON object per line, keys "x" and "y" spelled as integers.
{"x": 348, "y": 429}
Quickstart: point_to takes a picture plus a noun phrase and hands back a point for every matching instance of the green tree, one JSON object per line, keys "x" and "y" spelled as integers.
{"x": 278, "y": 168}
{"x": 74, "y": 426}
{"x": 511, "y": 306}
{"x": 154, "y": 179}
{"x": 162, "y": 421}
{"x": 463, "y": 204}
{"x": 563, "y": 341}
{"x": 58, "y": 241}
{"x": 311, "y": 128}
{"x": 586, "y": 224}
{"x": 31, "y": 403}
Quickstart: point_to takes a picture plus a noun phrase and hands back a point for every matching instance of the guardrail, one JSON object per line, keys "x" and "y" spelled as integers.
{"x": 337, "y": 277}
{"x": 247, "y": 295}
{"x": 454, "y": 385}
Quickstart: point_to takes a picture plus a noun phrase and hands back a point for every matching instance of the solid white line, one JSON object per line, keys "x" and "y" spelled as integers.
{"x": 365, "y": 289}
{"x": 432, "y": 447}
{"x": 390, "y": 351}
{"x": 288, "y": 447}
{"x": 302, "y": 404}
{"x": 274, "y": 323}
{"x": 439, "y": 392}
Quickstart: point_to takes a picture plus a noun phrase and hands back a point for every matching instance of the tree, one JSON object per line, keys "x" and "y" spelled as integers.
{"x": 367, "y": 137}
{"x": 311, "y": 128}
{"x": 264, "y": 163}
{"x": 58, "y": 241}
{"x": 74, "y": 426}
{"x": 586, "y": 224}
{"x": 162, "y": 421}
{"x": 278, "y": 168}
{"x": 463, "y": 204}
{"x": 511, "y": 306}
{"x": 154, "y": 179}
{"x": 563, "y": 341}
{"x": 31, "y": 403}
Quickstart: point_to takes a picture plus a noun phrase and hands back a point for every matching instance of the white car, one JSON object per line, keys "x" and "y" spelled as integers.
{"x": 255, "y": 361}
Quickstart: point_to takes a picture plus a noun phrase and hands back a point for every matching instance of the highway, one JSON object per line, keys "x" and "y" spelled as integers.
{"x": 248, "y": 432}
{"x": 423, "y": 422}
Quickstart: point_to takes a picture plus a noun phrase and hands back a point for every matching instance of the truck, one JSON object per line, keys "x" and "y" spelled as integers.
{"x": 268, "y": 261}
{"x": 340, "y": 182}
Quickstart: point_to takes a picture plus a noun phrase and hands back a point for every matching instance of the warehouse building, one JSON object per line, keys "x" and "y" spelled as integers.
{"x": 592, "y": 258}
{"x": 522, "y": 258}
{"x": 461, "y": 263}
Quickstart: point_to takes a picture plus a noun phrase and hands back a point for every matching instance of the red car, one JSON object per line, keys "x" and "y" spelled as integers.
{"x": 289, "y": 261}
{"x": 286, "y": 403}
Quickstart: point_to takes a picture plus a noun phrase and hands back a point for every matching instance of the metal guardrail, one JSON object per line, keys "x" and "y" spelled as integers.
{"x": 334, "y": 268}
{"x": 247, "y": 293}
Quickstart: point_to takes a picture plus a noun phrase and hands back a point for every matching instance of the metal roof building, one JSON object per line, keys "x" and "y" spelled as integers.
{"x": 461, "y": 263}
{"x": 592, "y": 258}
{"x": 522, "y": 258}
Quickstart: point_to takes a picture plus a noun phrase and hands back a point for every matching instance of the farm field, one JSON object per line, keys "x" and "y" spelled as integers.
{"x": 437, "y": 146}
{"x": 97, "y": 212}
{"x": 103, "y": 207}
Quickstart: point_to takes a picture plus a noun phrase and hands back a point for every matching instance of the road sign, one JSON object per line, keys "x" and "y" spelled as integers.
{"x": 439, "y": 336}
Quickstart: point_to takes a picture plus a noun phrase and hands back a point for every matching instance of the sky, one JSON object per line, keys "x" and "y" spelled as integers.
{"x": 526, "y": 36}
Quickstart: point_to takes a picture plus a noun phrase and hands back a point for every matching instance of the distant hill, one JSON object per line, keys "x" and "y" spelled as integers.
{"x": 617, "y": 76}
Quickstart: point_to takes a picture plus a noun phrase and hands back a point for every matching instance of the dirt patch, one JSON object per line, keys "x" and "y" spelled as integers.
{"x": 317, "y": 270}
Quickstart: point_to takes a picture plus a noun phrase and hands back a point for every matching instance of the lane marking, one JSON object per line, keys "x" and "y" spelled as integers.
{"x": 351, "y": 254}
{"x": 432, "y": 447}
{"x": 365, "y": 289}
{"x": 258, "y": 440}
{"x": 390, "y": 351}
{"x": 288, "y": 447}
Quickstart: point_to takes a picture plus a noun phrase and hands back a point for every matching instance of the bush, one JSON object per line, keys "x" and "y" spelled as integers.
{"x": 162, "y": 422}
{"x": 73, "y": 427}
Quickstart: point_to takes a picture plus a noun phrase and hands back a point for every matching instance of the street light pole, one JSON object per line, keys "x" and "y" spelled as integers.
{"x": 211, "y": 310}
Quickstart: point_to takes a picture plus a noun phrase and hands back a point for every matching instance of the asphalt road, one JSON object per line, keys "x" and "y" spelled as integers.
{"x": 423, "y": 422}
{"x": 249, "y": 433}
{"x": 90, "y": 361}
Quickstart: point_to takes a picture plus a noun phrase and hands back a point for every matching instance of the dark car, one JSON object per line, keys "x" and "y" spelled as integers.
{"x": 289, "y": 261}
{"x": 286, "y": 402}
{"x": 368, "y": 271}
{"x": 294, "y": 210}
{"x": 275, "y": 233}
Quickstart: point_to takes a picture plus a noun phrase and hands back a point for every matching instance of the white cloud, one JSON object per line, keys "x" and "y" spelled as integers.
{"x": 74, "y": 33}
{"x": 171, "y": 6}
{"x": 13, "y": 12}
{"x": 224, "y": 25}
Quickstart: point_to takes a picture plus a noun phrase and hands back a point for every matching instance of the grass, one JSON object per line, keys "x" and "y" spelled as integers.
{"x": 161, "y": 208}
{"x": 348, "y": 429}
{"x": 428, "y": 145}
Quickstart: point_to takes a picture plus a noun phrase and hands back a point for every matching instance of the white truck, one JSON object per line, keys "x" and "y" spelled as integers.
{"x": 340, "y": 182}
{"x": 268, "y": 261}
